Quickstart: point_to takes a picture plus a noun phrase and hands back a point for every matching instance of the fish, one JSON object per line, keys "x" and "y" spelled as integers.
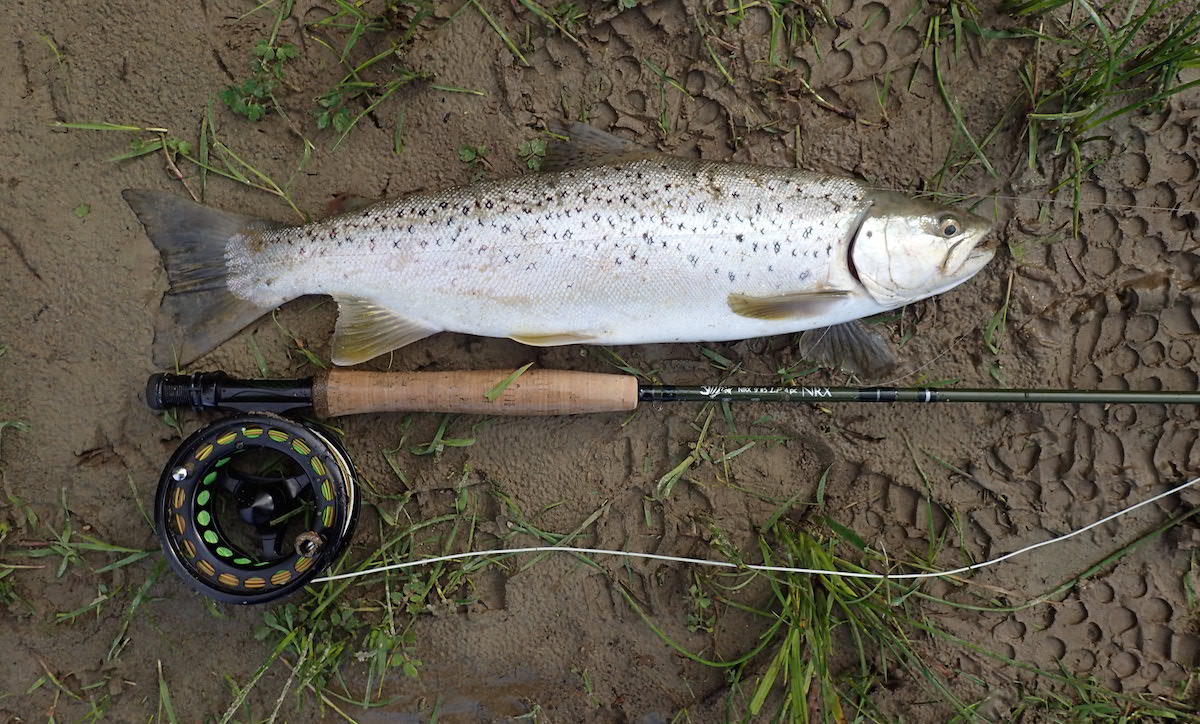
{"x": 611, "y": 243}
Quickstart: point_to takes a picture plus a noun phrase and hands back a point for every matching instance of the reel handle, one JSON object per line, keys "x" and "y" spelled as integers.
{"x": 535, "y": 392}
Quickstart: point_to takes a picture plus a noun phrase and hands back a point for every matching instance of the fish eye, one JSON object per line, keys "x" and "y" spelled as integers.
{"x": 948, "y": 226}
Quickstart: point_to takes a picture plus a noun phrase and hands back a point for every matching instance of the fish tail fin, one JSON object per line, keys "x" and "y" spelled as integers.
{"x": 199, "y": 311}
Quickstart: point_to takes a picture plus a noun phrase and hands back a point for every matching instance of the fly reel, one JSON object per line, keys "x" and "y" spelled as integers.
{"x": 251, "y": 507}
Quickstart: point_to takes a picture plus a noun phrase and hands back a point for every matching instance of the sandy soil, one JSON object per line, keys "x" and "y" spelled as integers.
{"x": 1115, "y": 308}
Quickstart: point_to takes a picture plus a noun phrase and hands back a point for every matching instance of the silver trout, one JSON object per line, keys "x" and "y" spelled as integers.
{"x": 612, "y": 243}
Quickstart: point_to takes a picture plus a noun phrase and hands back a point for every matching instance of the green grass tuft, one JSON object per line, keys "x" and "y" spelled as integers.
{"x": 1110, "y": 68}
{"x": 254, "y": 97}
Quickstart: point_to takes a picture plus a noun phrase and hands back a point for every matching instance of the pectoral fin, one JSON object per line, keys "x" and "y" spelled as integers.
{"x": 785, "y": 306}
{"x": 551, "y": 340}
{"x": 850, "y": 347}
{"x": 590, "y": 147}
{"x": 366, "y": 330}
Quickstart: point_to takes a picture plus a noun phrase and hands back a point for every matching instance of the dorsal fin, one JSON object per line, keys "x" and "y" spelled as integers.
{"x": 590, "y": 147}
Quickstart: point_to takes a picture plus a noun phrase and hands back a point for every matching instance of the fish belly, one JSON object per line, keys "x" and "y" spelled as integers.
{"x": 642, "y": 252}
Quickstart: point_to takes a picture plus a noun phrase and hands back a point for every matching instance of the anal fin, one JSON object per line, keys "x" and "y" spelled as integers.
{"x": 850, "y": 347}
{"x": 551, "y": 340}
{"x": 366, "y": 330}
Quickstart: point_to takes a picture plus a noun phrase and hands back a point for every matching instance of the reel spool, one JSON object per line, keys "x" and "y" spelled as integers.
{"x": 250, "y": 508}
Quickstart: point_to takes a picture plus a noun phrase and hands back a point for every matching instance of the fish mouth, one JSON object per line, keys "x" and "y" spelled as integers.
{"x": 982, "y": 244}
{"x": 985, "y": 242}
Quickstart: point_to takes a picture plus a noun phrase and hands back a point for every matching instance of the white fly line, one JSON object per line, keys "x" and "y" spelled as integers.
{"x": 758, "y": 567}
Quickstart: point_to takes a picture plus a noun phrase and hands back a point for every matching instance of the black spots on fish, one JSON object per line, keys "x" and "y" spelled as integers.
{"x": 770, "y": 267}
{"x": 693, "y": 259}
{"x": 443, "y": 204}
{"x": 828, "y": 248}
{"x": 758, "y": 208}
{"x": 779, "y": 208}
{"x": 732, "y": 277}
{"x": 777, "y": 247}
{"x": 755, "y": 246}
{"x": 805, "y": 275}
{"x": 741, "y": 238}
{"x": 595, "y": 217}
{"x": 422, "y": 213}
{"x": 793, "y": 252}
{"x": 807, "y": 232}
{"x": 870, "y": 234}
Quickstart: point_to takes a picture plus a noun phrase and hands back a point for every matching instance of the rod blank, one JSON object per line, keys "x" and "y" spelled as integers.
{"x": 909, "y": 394}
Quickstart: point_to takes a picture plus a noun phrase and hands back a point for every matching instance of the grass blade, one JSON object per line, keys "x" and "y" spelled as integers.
{"x": 503, "y": 384}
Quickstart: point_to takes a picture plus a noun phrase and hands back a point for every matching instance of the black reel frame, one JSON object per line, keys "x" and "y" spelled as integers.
{"x": 319, "y": 485}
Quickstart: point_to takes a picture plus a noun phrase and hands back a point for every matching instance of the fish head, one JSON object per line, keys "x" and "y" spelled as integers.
{"x": 908, "y": 249}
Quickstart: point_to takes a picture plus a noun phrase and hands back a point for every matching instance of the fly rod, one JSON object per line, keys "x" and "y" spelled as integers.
{"x": 254, "y": 505}
{"x": 554, "y": 392}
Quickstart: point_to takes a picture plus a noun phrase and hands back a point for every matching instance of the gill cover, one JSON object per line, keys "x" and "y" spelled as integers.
{"x": 908, "y": 249}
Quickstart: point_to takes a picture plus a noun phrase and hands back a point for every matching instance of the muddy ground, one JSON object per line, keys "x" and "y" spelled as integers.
{"x": 1115, "y": 307}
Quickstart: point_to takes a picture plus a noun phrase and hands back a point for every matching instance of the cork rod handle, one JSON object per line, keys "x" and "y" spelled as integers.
{"x": 535, "y": 392}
